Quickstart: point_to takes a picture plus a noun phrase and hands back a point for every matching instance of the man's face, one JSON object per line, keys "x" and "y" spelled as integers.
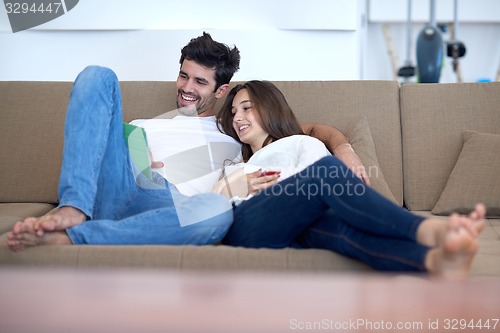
{"x": 195, "y": 88}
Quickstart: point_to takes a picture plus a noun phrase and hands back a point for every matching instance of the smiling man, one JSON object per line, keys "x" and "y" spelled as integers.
{"x": 195, "y": 88}
{"x": 102, "y": 197}
{"x": 103, "y": 200}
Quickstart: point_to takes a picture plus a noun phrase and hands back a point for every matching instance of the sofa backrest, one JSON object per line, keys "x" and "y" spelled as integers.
{"x": 335, "y": 103}
{"x": 433, "y": 118}
{"x": 32, "y": 121}
{"x": 32, "y": 118}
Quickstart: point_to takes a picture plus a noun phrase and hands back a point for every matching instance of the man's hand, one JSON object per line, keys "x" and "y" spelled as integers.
{"x": 346, "y": 154}
{"x": 338, "y": 144}
{"x": 156, "y": 165}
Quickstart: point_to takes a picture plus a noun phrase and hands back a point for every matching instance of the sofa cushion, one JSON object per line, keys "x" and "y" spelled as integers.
{"x": 10, "y": 213}
{"x": 433, "y": 117}
{"x": 474, "y": 178}
{"x": 185, "y": 257}
{"x": 360, "y": 137}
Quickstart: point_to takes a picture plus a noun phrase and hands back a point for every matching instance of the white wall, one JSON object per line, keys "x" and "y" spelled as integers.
{"x": 278, "y": 39}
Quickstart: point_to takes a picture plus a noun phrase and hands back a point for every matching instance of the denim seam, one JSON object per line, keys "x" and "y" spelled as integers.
{"x": 373, "y": 218}
{"x": 374, "y": 254}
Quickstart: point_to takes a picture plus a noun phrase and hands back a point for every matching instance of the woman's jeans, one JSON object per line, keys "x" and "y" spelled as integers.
{"x": 97, "y": 178}
{"x": 327, "y": 207}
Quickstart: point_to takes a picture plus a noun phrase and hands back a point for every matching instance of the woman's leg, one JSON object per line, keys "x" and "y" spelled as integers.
{"x": 358, "y": 205}
{"x": 280, "y": 213}
{"x": 379, "y": 252}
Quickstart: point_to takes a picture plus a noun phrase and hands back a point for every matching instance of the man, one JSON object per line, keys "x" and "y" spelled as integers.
{"x": 102, "y": 197}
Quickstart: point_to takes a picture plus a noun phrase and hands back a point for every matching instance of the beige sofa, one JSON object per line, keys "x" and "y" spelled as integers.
{"x": 417, "y": 133}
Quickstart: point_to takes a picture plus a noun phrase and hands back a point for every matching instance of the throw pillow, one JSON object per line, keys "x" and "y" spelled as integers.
{"x": 474, "y": 178}
{"x": 359, "y": 135}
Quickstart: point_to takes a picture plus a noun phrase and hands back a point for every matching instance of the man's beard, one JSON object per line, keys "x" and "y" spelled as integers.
{"x": 195, "y": 109}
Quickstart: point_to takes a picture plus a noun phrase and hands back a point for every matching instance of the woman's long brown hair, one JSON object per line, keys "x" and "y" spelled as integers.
{"x": 271, "y": 109}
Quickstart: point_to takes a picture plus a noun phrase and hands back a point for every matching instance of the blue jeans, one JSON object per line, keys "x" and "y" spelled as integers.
{"x": 97, "y": 178}
{"x": 327, "y": 207}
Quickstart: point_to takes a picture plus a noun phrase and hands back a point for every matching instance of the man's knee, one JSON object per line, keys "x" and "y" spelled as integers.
{"x": 220, "y": 211}
{"x": 95, "y": 73}
{"x": 218, "y": 202}
{"x": 207, "y": 208}
{"x": 212, "y": 227}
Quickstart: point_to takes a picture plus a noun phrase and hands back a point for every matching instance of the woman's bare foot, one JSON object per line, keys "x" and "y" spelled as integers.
{"x": 453, "y": 259}
{"x": 432, "y": 231}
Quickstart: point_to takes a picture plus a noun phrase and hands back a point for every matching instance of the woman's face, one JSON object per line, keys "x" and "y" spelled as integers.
{"x": 246, "y": 122}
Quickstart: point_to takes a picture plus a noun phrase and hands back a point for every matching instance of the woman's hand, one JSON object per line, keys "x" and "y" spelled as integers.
{"x": 241, "y": 185}
{"x": 258, "y": 180}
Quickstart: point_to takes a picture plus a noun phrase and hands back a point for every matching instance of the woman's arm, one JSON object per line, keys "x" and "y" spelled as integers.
{"x": 338, "y": 145}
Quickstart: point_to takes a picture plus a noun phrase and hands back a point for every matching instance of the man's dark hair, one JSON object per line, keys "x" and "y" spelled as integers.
{"x": 206, "y": 52}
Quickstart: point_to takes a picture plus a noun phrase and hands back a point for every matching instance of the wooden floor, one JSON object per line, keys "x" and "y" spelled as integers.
{"x": 161, "y": 301}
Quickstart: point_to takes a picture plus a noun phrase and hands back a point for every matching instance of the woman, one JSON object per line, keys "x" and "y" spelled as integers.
{"x": 312, "y": 200}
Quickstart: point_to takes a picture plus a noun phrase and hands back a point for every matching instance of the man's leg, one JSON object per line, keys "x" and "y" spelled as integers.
{"x": 197, "y": 220}
{"x": 207, "y": 218}
{"x": 96, "y": 175}
{"x": 95, "y": 163}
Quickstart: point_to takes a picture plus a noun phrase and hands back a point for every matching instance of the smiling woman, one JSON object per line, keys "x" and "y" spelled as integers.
{"x": 315, "y": 201}
{"x": 261, "y": 120}
{"x": 246, "y": 121}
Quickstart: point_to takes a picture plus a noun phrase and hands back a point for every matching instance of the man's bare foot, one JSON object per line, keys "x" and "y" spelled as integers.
{"x": 58, "y": 219}
{"x": 432, "y": 231}
{"x": 31, "y": 231}
{"x": 23, "y": 235}
{"x": 453, "y": 259}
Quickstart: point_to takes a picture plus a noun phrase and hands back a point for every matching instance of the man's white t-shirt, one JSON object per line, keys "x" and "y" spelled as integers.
{"x": 192, "y": 149}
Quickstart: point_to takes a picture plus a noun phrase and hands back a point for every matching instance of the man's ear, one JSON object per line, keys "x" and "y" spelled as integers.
{"x": 222, "y": 91}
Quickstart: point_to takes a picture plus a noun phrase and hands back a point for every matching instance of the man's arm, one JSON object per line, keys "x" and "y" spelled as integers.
{"x": 337, "y": 144}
